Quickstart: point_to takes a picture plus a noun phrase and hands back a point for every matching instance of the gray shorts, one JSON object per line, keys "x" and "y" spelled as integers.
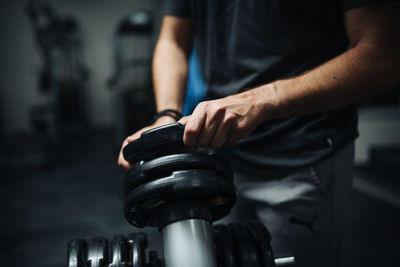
{"x": 303, "y": 210}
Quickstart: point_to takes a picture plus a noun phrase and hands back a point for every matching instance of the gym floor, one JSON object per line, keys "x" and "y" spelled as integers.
{"x": 80, "y": 196}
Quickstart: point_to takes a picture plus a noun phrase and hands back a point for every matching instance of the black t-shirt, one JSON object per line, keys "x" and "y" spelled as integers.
{"x": 245, "y": 43}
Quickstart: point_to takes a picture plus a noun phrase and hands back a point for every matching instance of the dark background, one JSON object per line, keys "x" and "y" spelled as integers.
{"x": 62, "y": 182}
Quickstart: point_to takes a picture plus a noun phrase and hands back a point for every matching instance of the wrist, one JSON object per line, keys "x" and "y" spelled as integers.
{"x": 270, "y": 101}
{"x": 176, "y": 115}
{"x": 164, "y": 120}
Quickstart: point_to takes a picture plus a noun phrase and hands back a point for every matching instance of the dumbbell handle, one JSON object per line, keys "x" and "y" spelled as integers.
{"x": 188, "y": 243}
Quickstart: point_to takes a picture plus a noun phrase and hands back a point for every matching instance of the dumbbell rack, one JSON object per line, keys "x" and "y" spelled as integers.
{"x": 181, "y": 191}
{"x": 234, "y": 245}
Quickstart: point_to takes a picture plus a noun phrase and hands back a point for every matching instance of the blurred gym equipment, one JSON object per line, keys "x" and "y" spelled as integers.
{"x": 131, "y": 84}
{"x": 182, "y": 191}
{"x": 62, "y": 81}
{"x": 26, "y": 149}
{"x": 63, "y": 76}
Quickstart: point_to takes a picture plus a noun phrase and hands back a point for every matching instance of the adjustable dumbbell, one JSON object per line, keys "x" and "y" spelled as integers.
{"x": 179, "y": 190}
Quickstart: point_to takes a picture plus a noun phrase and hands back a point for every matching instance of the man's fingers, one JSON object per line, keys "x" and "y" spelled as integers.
{"x": 220, "y": 137}
{"x": 184, "y": 120}
{"x": 211, "y": 127}
{"x": 130, "y": 139}
{"x": 232, "y": 139}
{"x": 121, "y": 160}
{"x": 207, "y": 133}
{"x": 123, "y": 163}
{"x": 194, "y": 126}
{"x": 230, "y": 142}
{"x": 134, "y": 136}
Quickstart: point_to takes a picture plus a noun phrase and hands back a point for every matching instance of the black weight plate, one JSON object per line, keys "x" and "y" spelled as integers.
{"x": 118, "y": 252}
{"x": 168, "y": 137}
{"x": 263, "y": 238}
{"x": 164, "y": 152}
{"x": 163, "y": 166}
{"x": 245, "y": 246}
{"x": 141, "y": 204}
{"x": 188, "y": 185}
{"x": 77, "y": 250}
{"x": 222, "y": 237}
{"x": 217, "y": 247}
{"x": 97, "y": 252}
{"x": 138, "y": 244}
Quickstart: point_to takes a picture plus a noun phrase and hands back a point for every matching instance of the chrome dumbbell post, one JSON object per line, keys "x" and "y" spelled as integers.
{"x": 189, "y": 243}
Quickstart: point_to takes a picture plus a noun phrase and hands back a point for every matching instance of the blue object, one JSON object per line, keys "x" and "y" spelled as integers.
{"x": 196, "y": 86}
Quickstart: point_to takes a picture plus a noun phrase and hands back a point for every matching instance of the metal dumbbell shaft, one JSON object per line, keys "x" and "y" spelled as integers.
{"x": 188, "y": 243}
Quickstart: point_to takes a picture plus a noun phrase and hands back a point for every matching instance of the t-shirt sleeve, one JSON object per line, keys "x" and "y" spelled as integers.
{"x": 349, "y": 4}
{"x": 179, "y": 8}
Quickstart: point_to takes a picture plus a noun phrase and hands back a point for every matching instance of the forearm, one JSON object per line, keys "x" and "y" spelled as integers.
{"x": 346, "y": 79}
{"x": 169, "y": 74}
{"x": 170, "y": 70}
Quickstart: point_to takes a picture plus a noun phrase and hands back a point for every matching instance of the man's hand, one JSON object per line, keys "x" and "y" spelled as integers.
{"x": 222, "y": 122}
{"x": 161, "y": 121}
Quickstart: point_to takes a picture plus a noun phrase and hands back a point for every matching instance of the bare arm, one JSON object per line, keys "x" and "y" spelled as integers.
{"x": 372, "y": 64}
{"x": 170, "y": 63}
{"x": 170, "y": 68}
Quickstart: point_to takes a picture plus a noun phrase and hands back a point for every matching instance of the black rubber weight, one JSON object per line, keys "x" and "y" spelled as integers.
{"x": 245, "y": 246}
{"x": 263, "y": 238}
{"x": 222, "y": 237}
{"x": 155, "y": 141}
{"x": 189, "y": 185}
{"x": 77, "y": 250}
{"x": 144, "y": 172}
